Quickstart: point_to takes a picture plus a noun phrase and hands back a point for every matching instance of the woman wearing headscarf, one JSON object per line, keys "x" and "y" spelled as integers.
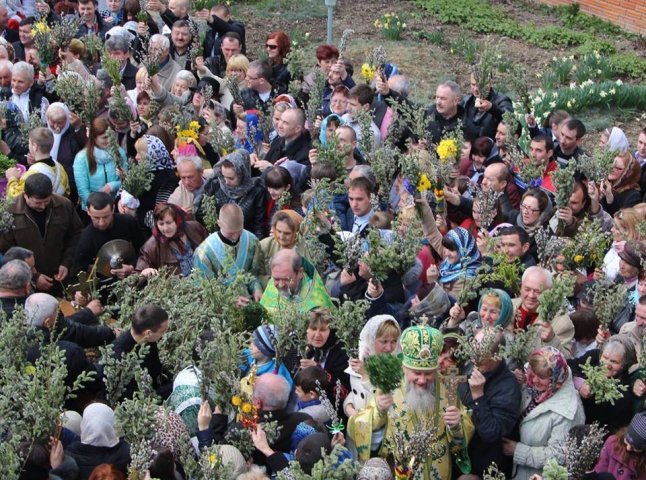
{"x": 153, "y": 151}
{"x": 99, "y": 442}
{"x": 380, "y": 335}
{"x": 172, "y": 243}
{"x": 233, "y": 184}
{"x": 618, "y": 355}
{"x": 285, "y": 226}
{"x": 458, "y": 251}
{"x": 614, "y": 140}
{"x": 68, "y": 140}
{"x": 495, "y": 309}
{"x": 621, "y": 188}
{"x": 550, "y": 407}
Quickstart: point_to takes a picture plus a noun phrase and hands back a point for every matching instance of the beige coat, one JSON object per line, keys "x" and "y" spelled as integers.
{"x": 563, "y": 330}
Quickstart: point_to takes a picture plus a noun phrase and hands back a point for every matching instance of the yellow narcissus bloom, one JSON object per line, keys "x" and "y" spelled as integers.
{"x": 40, "y": 28}
{"x": 194, "y": 125}
{"x": 236, "y": 400}
{"x": 578, "y": 258}
{"x": 368, "y": 72}
{"x": 424, "y": 183}
{"x": 213, "y": 459}
{"x": 447, "y": 149}
{"x": 246, "y": 408}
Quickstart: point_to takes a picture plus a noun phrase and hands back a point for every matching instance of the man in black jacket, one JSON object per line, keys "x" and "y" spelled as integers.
{"x": 447, "y": 111}
{"x": 92, "y": 21}
{"x": 292, "y": 143}
{"x": 106, "y": 226}
{"x": 43, "y": 313}
{"x": 149, "y": 324}
{"x": 482, "y": 114}
{"x": 26, "y": 39}
{"x": 220, "y": 23}
{"x": 493, "y": 395}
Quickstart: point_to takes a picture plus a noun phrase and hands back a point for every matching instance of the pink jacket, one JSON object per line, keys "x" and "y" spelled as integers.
{"x": 610, "y": 461}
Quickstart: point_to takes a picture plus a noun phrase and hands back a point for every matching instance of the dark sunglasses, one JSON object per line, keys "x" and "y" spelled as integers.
{"x": 271, "y": 47}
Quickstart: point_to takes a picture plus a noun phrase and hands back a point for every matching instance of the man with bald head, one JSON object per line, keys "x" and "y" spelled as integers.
{"x": 295, "y": 281}
{"x": 496, "y": 177}
{"x": 292, "y": 143}
{"x": 211, "y": 257}
{"x": 42, "y": 311}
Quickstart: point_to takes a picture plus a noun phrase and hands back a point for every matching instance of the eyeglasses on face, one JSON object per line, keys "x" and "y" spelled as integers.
{"x": 527, "y": 208}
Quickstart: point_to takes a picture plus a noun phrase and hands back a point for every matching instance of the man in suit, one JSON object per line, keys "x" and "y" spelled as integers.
{"x": 357, "y": 219}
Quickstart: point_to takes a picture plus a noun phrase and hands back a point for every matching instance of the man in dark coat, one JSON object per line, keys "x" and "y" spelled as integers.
{"x": 48, "y": 225}
{"x": 447, "y": 111}
{"x": 92, "y": 21}
{"x": 15, "y": 285}
{"x": 493, "y": 395}
{"x": 483, "y": 114}
{"x": 220, "y": 23}
{"x": 293, "y": 141}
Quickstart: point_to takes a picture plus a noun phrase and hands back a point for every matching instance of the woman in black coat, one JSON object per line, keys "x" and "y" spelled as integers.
{"x": 233, "y": 184}
{"x": 278, "y": 45}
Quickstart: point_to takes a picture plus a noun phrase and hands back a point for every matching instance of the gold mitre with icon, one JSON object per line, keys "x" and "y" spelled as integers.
{"x": 421, "y": 346}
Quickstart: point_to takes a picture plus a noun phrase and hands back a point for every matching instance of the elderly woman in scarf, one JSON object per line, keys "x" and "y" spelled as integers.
{"x": 99, "y": 442}
{"x": 621, "y": 188}
{"x": 68, "y": 140}
{"x": 550, "y": 407}
{"x": 233, "y": 184}
{"x": 153, "y": 151}
{"x": 495, "y": 309}
{"x": 380, "y": 335}
{"x": 285, "y": 226}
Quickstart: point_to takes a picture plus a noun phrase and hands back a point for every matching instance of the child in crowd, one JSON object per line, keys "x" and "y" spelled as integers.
{"x": 309, "y": 383}
{"x": 260, "y": 358}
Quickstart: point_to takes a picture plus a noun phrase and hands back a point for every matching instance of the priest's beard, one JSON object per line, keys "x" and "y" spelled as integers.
{"x": 420, "y": 400}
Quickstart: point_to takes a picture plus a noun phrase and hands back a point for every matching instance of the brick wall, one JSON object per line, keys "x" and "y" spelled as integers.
{"x": 628, "y": 14}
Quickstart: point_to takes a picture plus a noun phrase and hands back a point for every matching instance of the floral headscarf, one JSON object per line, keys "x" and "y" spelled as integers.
{"x": 558, "y": 371}
{"x": 469, "y": 257}
{"x": 157, "y": 155}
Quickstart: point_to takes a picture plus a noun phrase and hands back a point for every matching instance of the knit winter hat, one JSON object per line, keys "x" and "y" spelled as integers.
{"x": 636, "y": 433}
{"x": 264, "y": 338}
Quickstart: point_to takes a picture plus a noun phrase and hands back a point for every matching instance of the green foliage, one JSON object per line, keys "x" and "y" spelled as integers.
{"x": 602, "y": 387}
{"x": 210, "y": 212}
{"x": 384, "y": 371}
{"x": 348, "y": 321}
{"x": 581, "y": 455}
{"x": 139, "y": 178}
{"x": 524, "y": 343}
{"x": 553, "y": 471}
{"x": 192, "y": 303}
{"x": 32, "y": 122}
{"x": 629, "y": 65}
{"x": 493, "y": 473}
{"x": 503, "y": 271}
{"x": 118, "y": 373}
{"x": 393, "y": 254}
{"x": 435, "y": 37}
{"x": 572, "y": 17}
{"x": 327, "y": 468}
{"x": 466, "y": 47}
{"x": 596, "y": 167}
{"x": 136, "y": 417}
{"x": 479, "y": 351}
{"x": 6, "y": 217}
{"x": 384, "y": 165}
{"x": 588, "y": 248}
{"x": 32, "y": 396}
{"x": 554, "y": 300}
{"x": 219, "y": 365}
{"x": 291, "y": 329}
{"x": 608, "y": 298}
{"x": 563, "y": 180}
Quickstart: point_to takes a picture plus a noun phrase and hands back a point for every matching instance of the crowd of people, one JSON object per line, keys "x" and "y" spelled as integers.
{"x": 255, "y": 207}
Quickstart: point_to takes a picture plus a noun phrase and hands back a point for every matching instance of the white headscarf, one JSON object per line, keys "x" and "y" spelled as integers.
{"x": 617, "y": 141}
{"x": 368, "y": 336}
{"x": 58, "y": 136}
{"x": 97, "y": 426}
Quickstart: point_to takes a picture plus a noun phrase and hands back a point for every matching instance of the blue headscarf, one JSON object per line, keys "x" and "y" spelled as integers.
{"x": 326, "y": 120}
{"x": 469, "y": 257}
{"x": 253, "y": 132}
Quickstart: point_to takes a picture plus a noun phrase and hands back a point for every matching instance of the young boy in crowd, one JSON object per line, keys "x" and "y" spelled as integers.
{"x": 309, "y": 383}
